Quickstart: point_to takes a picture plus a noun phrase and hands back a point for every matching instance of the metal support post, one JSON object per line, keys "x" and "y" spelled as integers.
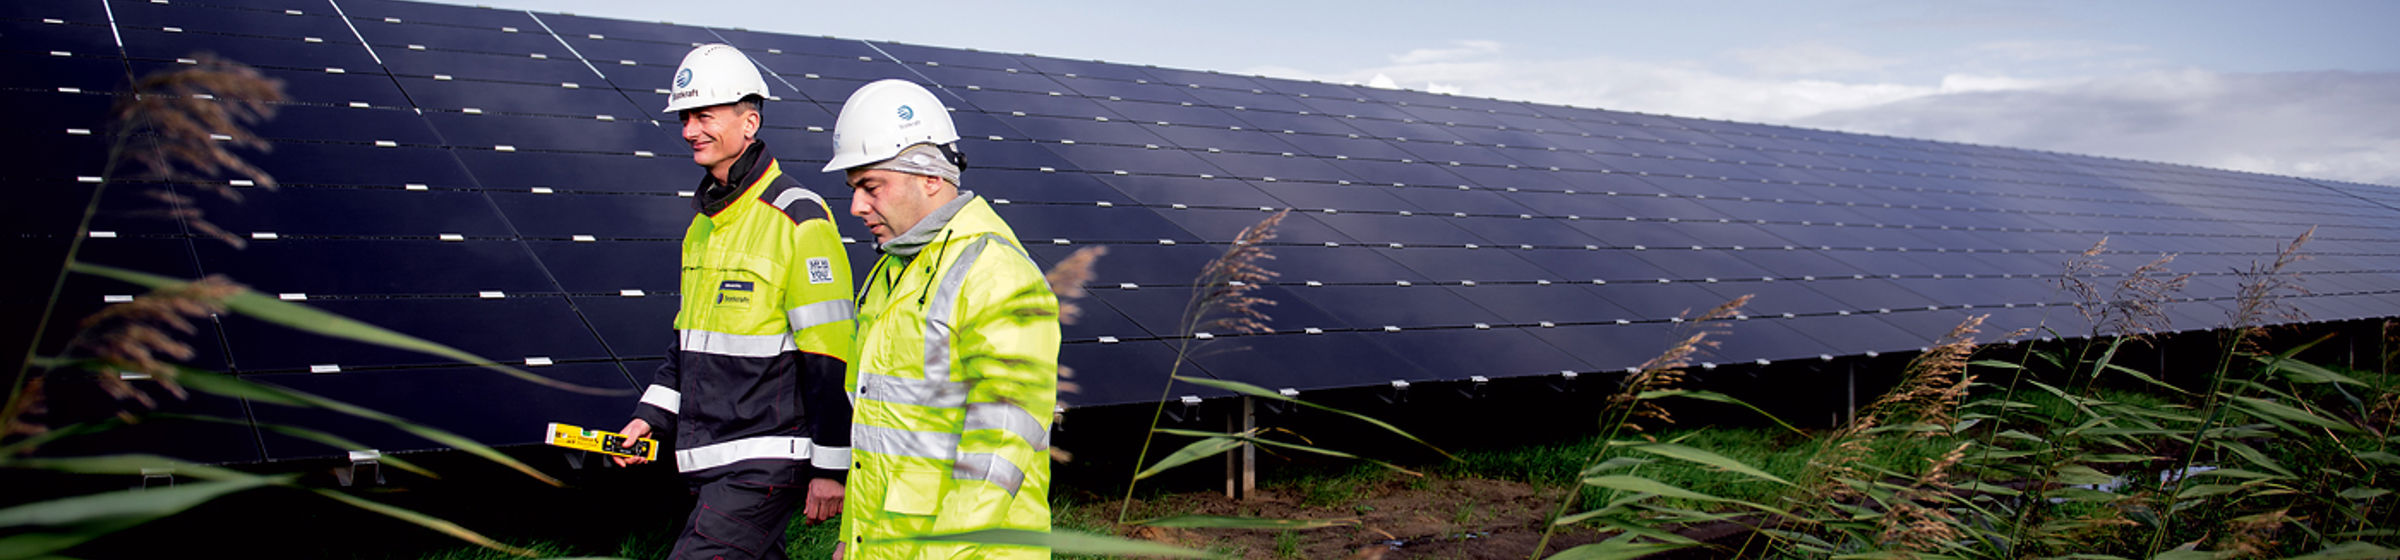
{"x": 1241, "y": 465}
{"x": 1850, "y": 393}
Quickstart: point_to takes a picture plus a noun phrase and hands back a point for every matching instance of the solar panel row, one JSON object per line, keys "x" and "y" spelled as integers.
{"x": 501, "y": 182}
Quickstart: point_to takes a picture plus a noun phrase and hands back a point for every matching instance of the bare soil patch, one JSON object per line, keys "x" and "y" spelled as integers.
{"x": 1394, "y": 518}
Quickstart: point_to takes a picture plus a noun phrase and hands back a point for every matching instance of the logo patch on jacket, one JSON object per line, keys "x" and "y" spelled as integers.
{"x": 820, "y": 270}
{"x": 734, "y": 292}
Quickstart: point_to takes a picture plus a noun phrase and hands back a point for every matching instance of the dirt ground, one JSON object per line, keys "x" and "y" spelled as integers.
{"x": 1392, "y": 519}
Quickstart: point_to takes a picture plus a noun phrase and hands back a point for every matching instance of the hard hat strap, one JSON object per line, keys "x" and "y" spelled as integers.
{"x": 950, "y": 152}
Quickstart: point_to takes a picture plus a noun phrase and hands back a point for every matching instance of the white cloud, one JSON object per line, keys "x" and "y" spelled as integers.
{"x": 1961, "y": 83}
{"x": 2321, "y": 124}
{"x": 2052, "y": 51}
{"x": 1461, "y": 50}
{"x": 1810, "y": 59}
{"x": 2311, "y": 124}
{"x": 1612, "y": 83}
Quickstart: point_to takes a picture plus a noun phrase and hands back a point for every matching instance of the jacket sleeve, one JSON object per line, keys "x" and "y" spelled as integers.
{"x": 1007, "y": 345}
{"x": 664, "y": 396}
{"x": 822, "y": 318}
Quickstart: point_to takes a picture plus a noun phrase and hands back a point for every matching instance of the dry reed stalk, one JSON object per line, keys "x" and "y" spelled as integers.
{"x": 134, "y": 337}
{"x": 1667, "y": 369}
{"x": 2253, "y": 536}
{"x": 194, "y": 117}
{"x": 2262, "y": 289}
{"x": 1227, "y": 300}
{"x": 1936, "y": 382}
{"x": 1224, "y": 299}
{"x": 175, "y": 126}
{"x": 1912, "y": 523}
{"x": 1068, "y": 277}
{"x": 2133, "y": 307}
{"x": 29, "y": 411}
{"x": 1931, "y": 390}
{"x": 1066, "y": 280}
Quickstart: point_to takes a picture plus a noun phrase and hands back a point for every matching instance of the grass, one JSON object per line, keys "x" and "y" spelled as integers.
{"x": 806, "y": 542}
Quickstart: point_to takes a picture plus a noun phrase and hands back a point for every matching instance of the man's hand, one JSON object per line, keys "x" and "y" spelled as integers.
{"x": 824, "y": 500}
{"x": 837, "y": 549}
{"x": 635, "y": 429}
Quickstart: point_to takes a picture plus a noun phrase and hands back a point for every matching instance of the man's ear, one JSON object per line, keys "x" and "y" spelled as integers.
{"x": 750, "y": 124}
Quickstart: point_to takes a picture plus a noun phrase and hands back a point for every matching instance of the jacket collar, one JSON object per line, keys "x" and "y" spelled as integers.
{"x": 714, "y": 197}
{"x": 917, "y": 237}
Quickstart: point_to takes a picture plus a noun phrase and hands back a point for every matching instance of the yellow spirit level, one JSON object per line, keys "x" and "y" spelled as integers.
{"x": 576, "y": 437}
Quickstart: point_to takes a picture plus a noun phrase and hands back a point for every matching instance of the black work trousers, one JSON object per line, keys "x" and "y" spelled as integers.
{"x": 742, "y": 513}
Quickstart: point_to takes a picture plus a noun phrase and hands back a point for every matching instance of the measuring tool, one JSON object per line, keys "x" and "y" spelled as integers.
{"x": 576, "y": 437}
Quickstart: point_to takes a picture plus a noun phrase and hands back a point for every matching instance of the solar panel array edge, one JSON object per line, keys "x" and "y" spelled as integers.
{"x": 502, "y": 180}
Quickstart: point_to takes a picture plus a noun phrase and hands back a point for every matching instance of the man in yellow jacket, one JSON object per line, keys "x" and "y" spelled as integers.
{"x": 957, "y": 367}
{"x": 752, "y": 391}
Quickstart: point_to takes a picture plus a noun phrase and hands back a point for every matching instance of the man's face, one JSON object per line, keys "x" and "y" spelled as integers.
{"x": 718, "y": 134}
{"x": 889, "y": 201}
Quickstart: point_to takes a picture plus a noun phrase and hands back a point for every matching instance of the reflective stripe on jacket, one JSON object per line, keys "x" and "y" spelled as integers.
{"x": 954, "y": 387}
{"x": 765, "y": 330}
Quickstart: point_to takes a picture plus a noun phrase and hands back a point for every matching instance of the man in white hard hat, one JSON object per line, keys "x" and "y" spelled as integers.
{"x": 752, "y": 391}
{"x": 957, "y": 370}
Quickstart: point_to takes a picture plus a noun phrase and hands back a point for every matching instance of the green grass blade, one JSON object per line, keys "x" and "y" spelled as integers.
{"x": 1710, "y": 458}
{"x": 2363, "y": 493}
{"x": 2051, "y": 357}
{"x": 1291, "y": 446}
{"x": 27, "y": 444}
{"x": 1195, "y": 521}
{"x": 1261, "y": 392}
{"x": 1995, "y": 364}
{"x": 1615, "y": 463}
{"x": 1644, "y": 529}
{"x": 1712, "y": 396}
{"x": 2079, "y": 474}
{"x": 2353, "y": 550}
{"x": 437, "y": 524}
{"x": 2303, "y": 372}
{"x": 1062, "y": 541}
{"x": 1629, "y": 483}
{"x": 2254, "y": 456}
{"x": 2146, "y": 378}
{"x": 132, "y": 464}
{"x": 1614, "y": 549}
{"x": 2266, "y": 408}
{"x": 337, "y": 442}
{"x": 46, "y": 527}
{"x": 227, "y": 385}
{"x": 2385, "y": 457}
{"x": 1203, "y": 449}
{"x": 310, "y": 319}
{"x": 136, "y": 504}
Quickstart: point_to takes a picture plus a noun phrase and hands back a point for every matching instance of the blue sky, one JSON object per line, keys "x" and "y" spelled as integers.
{"x": 2308, "y": 88}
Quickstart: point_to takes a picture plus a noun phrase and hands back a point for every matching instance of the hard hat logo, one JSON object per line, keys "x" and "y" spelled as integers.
{"x": 883, "y": 118}
{"x": 728, "y": 77}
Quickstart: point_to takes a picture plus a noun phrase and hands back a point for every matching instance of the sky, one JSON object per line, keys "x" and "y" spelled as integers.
{"x": 2307, "y": 88}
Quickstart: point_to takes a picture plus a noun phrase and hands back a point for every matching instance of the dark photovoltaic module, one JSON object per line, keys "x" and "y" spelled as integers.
{"x": 503, "y": 182}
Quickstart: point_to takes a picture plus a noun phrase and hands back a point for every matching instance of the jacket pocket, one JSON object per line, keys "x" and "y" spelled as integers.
{"x": 915, "y": 491}
{"x": 742, "y": 293}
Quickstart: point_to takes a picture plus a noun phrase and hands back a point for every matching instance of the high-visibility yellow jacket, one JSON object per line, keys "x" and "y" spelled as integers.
{"x": 754, "y": 382}
{"x": 954, "y": 385}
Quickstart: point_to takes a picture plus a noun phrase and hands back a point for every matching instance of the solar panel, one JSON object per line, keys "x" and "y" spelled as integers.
{"x": 502, "y": 181}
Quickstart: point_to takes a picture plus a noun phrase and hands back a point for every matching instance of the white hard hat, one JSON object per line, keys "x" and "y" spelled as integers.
{"x": 884, "y": 117}
{"x": 714, "y": 74}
